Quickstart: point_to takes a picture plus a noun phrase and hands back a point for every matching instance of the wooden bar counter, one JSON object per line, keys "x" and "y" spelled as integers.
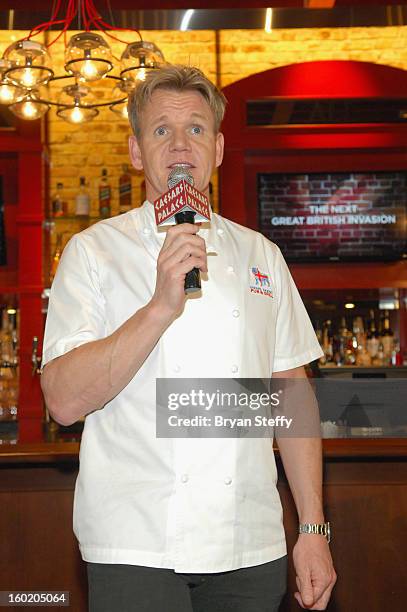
{"x": 365, "y": 493}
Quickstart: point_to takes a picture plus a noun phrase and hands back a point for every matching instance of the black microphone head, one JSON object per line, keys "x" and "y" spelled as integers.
{"x": 179, "y": 173}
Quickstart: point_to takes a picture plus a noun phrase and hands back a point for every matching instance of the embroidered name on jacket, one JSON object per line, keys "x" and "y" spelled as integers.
{"x": 260, "y": 282}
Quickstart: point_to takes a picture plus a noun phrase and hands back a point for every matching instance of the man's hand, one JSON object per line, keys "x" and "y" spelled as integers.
{"x": 315, "y": 574}
{"x": 182, "y": 250}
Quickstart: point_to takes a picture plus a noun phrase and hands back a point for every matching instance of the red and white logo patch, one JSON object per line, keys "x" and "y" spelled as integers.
{"x": 260, "y": 282}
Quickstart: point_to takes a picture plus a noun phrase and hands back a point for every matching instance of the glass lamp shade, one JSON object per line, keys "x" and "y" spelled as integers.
{"x": 78, "y": 93}
{"x": 119, "y": 97}
{"x": 30, "y": 64}
{"x": 138, "y": 58}
{"x": 76, "y": 102}
{"x": 29, "y": 107}
{"x": 120, "y": 109}
{"x": 88, "y": 56}
{"x": 77, "y": 114}
{"x": 9, "y": 93}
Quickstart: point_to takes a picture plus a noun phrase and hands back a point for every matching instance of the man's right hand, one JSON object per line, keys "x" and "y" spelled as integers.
{"x": 182, "y": 250}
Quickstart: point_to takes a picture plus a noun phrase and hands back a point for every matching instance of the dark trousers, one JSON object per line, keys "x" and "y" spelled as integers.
{"x": 134, "y": 588}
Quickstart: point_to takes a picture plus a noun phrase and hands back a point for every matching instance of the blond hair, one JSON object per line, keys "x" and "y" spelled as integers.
{"x": 174, "y": 78}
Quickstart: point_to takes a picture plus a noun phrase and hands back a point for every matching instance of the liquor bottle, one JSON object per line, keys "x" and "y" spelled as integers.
{"x": 380, "y": 358}
{"x": 13, "y": 381}
{"x": 58, "y": 202}
{"x": 56, "y": 257}
{"x": 387, "y": 338}
{"x": 82, "y": 199}
{"x": 340, "y": 343}
{"x": 351, "y": 345}
{"x": 125, "y": 190}
{"x": 396, "y": 357}
{"x": 13, "y": 323}
{"x": 105, "y": 195}
{"x": 327, "y": 347}
{"x": 372, "y": 337}
{"x": 6, "y": 337}
{"x": 362, "y": 355}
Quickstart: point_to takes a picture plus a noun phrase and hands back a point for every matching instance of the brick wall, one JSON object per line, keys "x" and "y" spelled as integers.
{"x": 245, "y": 52}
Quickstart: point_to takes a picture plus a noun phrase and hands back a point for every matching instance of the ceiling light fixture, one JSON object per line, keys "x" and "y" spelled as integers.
{"x": 26, "y": 67}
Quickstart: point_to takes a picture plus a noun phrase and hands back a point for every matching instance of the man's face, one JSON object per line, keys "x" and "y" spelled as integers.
{"x": 176, "y": 128}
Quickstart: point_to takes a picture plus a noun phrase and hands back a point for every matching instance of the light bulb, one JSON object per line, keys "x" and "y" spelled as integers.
{"x": 125, "y": 112}
{"x": 6, "y": 93}
{"x": 28, "y": 78}
{"x": 141, "y": 74}
{"x": 89, "y": 70}
{"x": 77, "y": 115}
{"x": 29, "y": 110}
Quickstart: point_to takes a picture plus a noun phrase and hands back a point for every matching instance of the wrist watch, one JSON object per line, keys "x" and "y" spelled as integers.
{"x": 318, "y": 528}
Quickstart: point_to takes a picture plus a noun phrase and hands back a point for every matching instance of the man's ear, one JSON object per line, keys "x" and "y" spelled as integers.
{"x": 220, "y": 143}
{"x": 135, "y": 153}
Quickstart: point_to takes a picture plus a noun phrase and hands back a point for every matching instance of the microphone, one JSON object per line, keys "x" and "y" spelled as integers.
{"x": 182, "y": 203}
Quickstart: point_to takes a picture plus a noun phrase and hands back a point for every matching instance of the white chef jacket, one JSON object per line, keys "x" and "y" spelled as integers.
{"x": 194, "y": 505}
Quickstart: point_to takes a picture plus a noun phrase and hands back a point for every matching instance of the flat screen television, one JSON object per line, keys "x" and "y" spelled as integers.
{"x": 347, "y": 216}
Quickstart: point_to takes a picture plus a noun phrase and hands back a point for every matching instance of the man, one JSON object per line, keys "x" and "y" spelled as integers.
{"x": 175, "y": 525}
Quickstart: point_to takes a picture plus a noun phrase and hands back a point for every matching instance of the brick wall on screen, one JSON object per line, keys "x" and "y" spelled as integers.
{"x": 283, "y": 197}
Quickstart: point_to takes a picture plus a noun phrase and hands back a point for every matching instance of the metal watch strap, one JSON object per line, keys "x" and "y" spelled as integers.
{"x": 317, "y": 528}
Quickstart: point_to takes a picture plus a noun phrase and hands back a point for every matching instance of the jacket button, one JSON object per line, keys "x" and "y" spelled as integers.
{"x": 236, "y": 313}
{"x": 146, "y": 230}
{"x": 230, "y": 269}
{"x": 234, "y": 369}
{"x": 220, "y": 231}
{"x": 228, "y": 480}
{"x": 176, "y": 369}
{"x": 184, "y": 478}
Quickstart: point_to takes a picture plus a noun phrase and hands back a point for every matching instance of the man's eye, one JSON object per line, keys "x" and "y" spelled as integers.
{"x": 161, "y": 131}
{"x": 196, "y": 129}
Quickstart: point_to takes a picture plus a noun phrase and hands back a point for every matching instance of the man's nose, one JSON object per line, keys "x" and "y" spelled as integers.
{"x": 179, "y": 140}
